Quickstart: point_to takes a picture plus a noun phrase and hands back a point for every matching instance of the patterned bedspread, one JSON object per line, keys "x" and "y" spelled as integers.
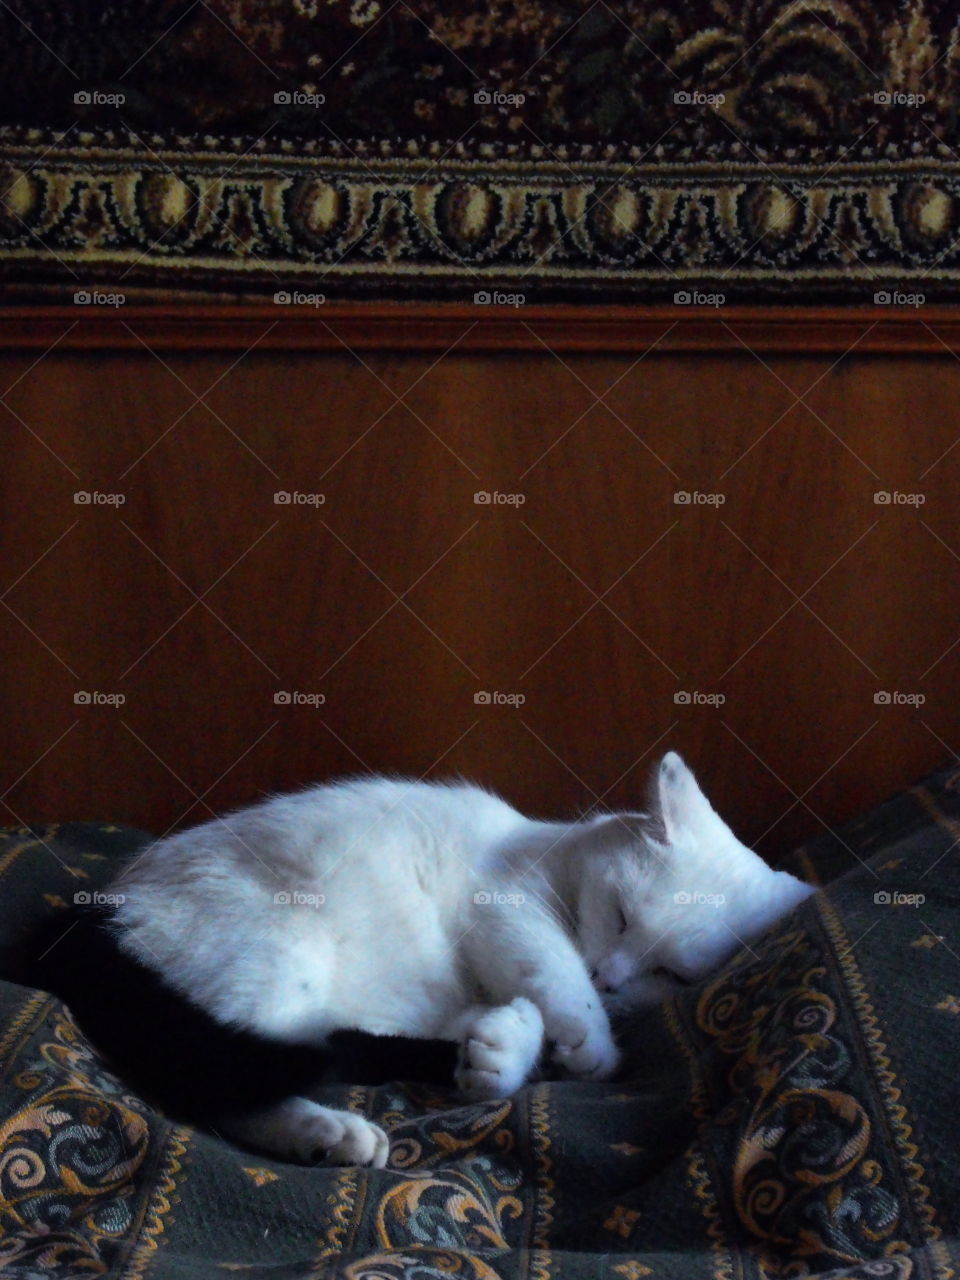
{"x": 796, "y": 1116}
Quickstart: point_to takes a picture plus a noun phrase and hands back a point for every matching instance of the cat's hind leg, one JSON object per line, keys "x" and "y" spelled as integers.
{"x": 305, "y": 1132}
{"x": 499, "y": 1047}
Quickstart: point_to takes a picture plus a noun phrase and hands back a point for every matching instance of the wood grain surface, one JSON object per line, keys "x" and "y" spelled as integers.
{"x": 584, "y": 587}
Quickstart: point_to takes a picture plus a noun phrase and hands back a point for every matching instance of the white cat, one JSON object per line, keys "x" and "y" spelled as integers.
{"x": 437, "y": 910}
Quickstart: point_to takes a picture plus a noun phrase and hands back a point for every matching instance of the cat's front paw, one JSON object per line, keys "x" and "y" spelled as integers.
{"x": 340, "y": 1137}
{"x": 585, "y": 1047}
{"x": 499, "y": 1049}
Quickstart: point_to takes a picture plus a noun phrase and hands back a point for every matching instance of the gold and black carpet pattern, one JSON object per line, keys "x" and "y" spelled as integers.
{"x": 777, "y": 150}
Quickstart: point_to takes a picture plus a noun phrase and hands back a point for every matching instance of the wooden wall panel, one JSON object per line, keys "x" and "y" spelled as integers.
{"x": 399, "y": 598}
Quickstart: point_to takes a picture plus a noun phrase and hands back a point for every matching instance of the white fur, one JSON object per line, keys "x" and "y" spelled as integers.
{"x": 436, "y": 909}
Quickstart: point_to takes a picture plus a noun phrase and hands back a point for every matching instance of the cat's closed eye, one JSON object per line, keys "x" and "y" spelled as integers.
{"x": 623, "y": 920}
{"x": 671, "y": 976}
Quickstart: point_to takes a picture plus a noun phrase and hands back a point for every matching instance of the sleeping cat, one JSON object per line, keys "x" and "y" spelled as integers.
{"x": 434, "y": 910}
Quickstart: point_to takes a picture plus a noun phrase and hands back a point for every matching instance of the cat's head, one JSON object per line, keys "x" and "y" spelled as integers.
{"x": 665, "y": 897}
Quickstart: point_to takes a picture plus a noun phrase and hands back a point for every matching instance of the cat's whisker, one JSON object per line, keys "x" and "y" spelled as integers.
{"x": 562, "y": 913}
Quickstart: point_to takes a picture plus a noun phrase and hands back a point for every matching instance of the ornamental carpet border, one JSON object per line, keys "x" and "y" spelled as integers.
{"x": 160, "y": 221}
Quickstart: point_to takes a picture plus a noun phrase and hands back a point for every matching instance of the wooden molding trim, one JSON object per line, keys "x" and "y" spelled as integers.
{"x": 925, "y": 330}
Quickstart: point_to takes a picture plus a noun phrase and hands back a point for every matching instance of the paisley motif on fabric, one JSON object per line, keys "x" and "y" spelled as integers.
{"x": 805, "y": 1172}
{"x": 69, "y": 1158}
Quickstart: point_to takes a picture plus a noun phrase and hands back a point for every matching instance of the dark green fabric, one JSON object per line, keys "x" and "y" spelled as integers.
{"x": 797, "y": 1115}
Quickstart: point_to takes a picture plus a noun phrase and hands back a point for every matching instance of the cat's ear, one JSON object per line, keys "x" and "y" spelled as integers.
{"x": 680, "y": 805}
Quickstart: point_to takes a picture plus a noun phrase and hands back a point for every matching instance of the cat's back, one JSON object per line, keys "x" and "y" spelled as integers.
{"x": 361, "y": 818}
{"x": 366, "y": 820}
